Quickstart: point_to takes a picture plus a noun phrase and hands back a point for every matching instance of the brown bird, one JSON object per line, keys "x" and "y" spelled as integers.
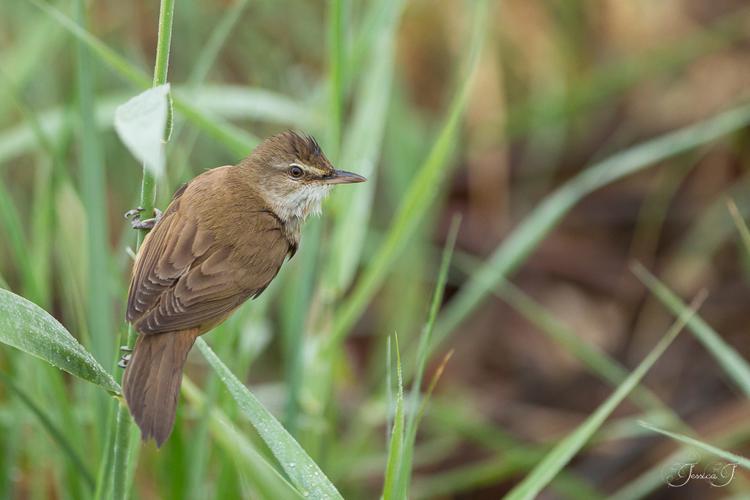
{"x": 220, "y": 242}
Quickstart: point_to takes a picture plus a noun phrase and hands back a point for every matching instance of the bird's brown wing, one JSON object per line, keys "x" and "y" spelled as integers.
{"x": 187, "y": 278}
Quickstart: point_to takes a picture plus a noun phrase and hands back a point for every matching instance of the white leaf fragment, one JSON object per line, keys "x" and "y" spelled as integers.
{"x": 140, "y": 124}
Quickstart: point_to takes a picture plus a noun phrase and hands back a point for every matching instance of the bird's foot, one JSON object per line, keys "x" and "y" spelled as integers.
{"x": 134, "y": 216}
{"x": 134, "y": 212}
{"x": 126, "y": 348}
{"x": 124, "y": 360}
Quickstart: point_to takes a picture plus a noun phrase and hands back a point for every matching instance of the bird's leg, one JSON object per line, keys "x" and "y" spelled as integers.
{"x": 124, "y": 360}
{"x": 134, "y": 216}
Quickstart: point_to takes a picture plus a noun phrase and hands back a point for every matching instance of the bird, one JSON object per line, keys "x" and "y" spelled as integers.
{"x": 221, "y": 241}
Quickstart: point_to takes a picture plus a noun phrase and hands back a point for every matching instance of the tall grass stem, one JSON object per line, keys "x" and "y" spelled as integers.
{"x": 148, "y": 197}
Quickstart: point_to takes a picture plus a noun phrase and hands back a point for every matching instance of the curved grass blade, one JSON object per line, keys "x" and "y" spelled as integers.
{"x": 653, "y": 478}
{"x": 242, "y": 103}
{"x": 396, "y": 447}
{"x": 566, "y": 449}
{"x": 360, "y": 151}
{"x": 55, "y": 433}
{"x": 303, "y": 472}
{"x": 93, "y": 187}
{"x": 422, "y": 192}
{"x": 423, "y": 354}
{"x": 28, "y": 327}
{"x": 740, "y": 224}
{"x": 726, "y": 455}
{"x": 236, "y": 140}
{"x": 686, "y": 269}
{"x": 12, "y": 229}
{"x": 733, "y": 363}
{"x": 519, "y": 244}
{"x": 597, "y": 362}
{"x": 226, "y": 102}
{"x": 336, "y": 50}
{"x": 266, "y": 479}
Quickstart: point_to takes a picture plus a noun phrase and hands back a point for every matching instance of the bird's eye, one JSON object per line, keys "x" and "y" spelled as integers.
{"x": 295, "y": 171}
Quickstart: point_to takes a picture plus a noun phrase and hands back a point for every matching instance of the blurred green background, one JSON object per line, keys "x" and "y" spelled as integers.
{"x": 569, "y": 144}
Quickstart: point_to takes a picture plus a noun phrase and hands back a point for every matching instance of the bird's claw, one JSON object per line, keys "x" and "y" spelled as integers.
{"x": 124, "y": 360}
{"x": 126, "y": 348}
{"x": 133, "y": 213}
{"x": 134, "y": 216}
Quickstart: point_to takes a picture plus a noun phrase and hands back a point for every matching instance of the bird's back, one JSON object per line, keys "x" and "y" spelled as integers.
{"x": 214, "y": 247}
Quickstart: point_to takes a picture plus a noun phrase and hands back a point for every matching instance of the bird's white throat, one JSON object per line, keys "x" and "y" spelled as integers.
{"x": 300, "y": 203}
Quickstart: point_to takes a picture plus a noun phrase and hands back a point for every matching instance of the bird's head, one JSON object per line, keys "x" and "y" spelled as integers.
{"x": 294, "y": 176}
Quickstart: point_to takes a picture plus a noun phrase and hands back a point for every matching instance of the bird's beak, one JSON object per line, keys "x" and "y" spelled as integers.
{"x": 343, "y": 177}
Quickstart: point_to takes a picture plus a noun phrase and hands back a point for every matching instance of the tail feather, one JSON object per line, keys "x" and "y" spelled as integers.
{"x": 152, "y": 380}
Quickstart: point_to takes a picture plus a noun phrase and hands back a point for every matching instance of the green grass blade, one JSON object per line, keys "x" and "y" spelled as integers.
{"x": 740, "y": 224}
{"x": 423, "y": 354}
{"x": 726, "y": 455}
{"x": 268, "y": 481}
{"x": 596, "y": 361}
{"x": 728, "y": 358}
{"x": 32, "y": 50}
{"x": 389, "y": 386}
{"x": 12, "y": 229}
{"x": 210, "y": 51}
{"x": 31, "y": 329}
{"x": 710, "y": 229}
{"x": 360, "y": 152}
{"x": 55, "y": 433}
{"x": 611, "y": 79}
{"x": 519, "y": 244}
{"x": 237, "y": 141}
{"x": 93, "y": 189}
{"x": 396, "y": 448}
{"x": 242, "y": 103}
{"x": 422, "y": 192}
{"x": 336, "y": 75}
{"x": 117, "y": 62}
{"x": 35, "y": 266}
{"x": 216, "y": 102}
{"x": 567, "y": 448}
{"x": 303, "y": 472}
{"x": 653, "y": 478}
{"x": 103, "y": 473}
{"x": 123, "y": 456}
{"x": 295, "y": 308}
{"x": 494, "y": 470}
{"x": 424, "y": 348}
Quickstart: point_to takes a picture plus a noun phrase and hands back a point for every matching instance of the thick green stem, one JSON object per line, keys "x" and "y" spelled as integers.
{"x": 120, "y": 450}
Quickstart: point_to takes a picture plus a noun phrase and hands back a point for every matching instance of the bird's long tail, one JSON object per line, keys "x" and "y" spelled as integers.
{"x": 152, "y": 379}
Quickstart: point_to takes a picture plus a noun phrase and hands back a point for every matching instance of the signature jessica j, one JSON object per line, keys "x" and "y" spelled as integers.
{"x": 717, "y": 474}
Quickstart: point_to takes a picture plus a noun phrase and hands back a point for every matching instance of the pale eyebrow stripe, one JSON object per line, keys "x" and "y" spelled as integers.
{"x": 308, "y": 168}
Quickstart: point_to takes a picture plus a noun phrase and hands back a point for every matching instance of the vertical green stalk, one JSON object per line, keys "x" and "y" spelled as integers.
{"x": 295, "y": 339}
{"x": 421, "y": 193}
{"x": 295, "y": 308}
{"x": 93, "y": 188}
{"x": 336, "y": 69}
{"x": 120, "y": 450}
